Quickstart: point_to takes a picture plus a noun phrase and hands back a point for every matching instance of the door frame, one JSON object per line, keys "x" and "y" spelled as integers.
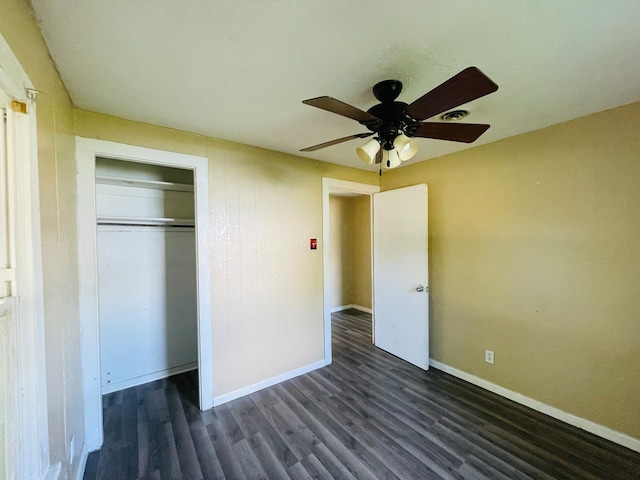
{"x": 86, "y": 152}
{"x": 33, "y": 455}
{"x": 335, "y": 186}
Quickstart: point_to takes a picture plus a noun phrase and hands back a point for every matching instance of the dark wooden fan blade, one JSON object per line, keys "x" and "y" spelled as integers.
{"x": 336, "y": 106}
{"x": 335, "y": 142}
{"x": 467, "y": 85}
{"x": 456, "y": 132}
{"x": 379, "y": 156}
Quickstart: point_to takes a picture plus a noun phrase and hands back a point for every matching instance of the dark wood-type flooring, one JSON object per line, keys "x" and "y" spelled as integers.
{"x": 368, "y": 415}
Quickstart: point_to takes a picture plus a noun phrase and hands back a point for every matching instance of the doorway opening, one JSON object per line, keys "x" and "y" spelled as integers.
{"x": 347, "y": 242}
{"x": 195, "y": 172}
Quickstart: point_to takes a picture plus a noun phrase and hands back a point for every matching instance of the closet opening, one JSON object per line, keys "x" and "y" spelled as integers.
{"x": 146, "y": 262}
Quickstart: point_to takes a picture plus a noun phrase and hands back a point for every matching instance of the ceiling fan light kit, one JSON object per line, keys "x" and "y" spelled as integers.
{"x": 368, "y": 151}
{"x": 395, "y": 123}
{"x": 406, "y": 147}
{"x": 392, "y": 160}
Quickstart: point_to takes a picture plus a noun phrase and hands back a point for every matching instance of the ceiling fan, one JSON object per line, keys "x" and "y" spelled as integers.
{"x": 395, "y": 124}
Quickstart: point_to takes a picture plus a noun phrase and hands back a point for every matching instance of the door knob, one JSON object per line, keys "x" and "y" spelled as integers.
{"x": 419, "y": 288}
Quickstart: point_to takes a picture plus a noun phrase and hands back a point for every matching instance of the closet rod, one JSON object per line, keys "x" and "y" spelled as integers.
{"x": 164, "y": 225}
{"x": 147, "y": 221}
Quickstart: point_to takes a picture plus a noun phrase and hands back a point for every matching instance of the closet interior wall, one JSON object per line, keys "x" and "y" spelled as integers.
{"x": 146, "y": 272}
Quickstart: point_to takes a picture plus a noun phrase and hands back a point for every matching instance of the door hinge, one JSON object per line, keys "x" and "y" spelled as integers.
{"x": 18, "y": 106}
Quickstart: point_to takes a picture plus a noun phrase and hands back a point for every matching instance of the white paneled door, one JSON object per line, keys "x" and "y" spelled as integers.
{"x": 9, "y": 417}
{"x": 401, "y": 273}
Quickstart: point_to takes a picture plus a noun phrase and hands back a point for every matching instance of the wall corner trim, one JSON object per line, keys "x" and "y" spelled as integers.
{"x": 269, "y": 382}
{"x": 587, "y": 425}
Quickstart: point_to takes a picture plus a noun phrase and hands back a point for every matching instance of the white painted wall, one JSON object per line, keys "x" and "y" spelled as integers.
{"x": 147, "y": 306}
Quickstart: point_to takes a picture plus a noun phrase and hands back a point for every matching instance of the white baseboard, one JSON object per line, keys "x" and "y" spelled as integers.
{"x": 347, "y": 307}
{"x": 227, "y": 397}
{"x": 82, "y": 462}
{"x": 362, "y": 309}
{"x": 339, "y": 309}
{"x": 587, "y": 425}
{"x": 134, "y": 382}
{"x": 54, "y": 472}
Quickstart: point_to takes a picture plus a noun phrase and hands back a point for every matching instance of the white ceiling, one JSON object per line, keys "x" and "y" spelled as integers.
{"x": 239, "y": 70}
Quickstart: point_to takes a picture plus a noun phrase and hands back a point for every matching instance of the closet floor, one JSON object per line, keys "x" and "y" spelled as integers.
{"x": 368, "y": 415}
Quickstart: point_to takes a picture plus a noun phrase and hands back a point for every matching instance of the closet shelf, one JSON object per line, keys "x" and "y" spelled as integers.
{"x": 175, "y": 222}
{"x": 136, "y": 182}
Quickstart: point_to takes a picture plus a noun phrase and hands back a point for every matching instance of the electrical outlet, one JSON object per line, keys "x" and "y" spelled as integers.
{"x": 488, "y": 356}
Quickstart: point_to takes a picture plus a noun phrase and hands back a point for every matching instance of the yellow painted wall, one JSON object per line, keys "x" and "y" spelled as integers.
{"x": 350, "y": 252}
{"x": 361, "y": 250}
{"x": 535, "y": 254}
{"x": 56, "y": 157}
{"x": 340, "y": 252}
{"x": 266, "y": 283}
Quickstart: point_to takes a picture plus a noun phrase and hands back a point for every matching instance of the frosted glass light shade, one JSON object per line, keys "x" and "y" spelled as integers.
{"x": 406, "y": 147}
{"x": 392, "y": 159}
{"x": 367, "y": 152}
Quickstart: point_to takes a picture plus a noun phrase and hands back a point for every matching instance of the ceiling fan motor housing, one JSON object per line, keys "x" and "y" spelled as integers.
{"x": 392, "y": 117}
{"x": 387, "y": 90}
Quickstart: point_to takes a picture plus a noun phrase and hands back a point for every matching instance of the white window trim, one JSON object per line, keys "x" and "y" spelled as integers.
{"x": 33, "y": 453}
